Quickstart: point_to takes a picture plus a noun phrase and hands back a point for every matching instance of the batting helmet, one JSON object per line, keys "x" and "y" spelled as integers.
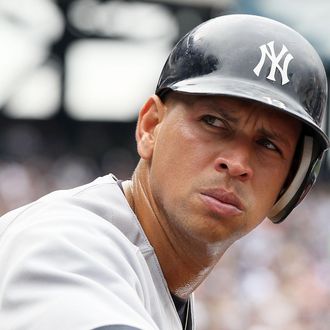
{"x": 258, "y": 59}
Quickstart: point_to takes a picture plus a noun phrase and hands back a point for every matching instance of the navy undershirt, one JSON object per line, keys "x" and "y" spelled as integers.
{"x": 181, "y": 308}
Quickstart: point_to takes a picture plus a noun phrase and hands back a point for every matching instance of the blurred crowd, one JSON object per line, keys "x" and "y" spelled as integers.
{"x": 276, "y": 278}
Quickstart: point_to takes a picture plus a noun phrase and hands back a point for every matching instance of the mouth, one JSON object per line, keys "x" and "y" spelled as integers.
{"x": 222, "y": 202}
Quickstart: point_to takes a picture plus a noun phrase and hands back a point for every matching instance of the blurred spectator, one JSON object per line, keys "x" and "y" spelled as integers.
{"x": 276, "y": 278}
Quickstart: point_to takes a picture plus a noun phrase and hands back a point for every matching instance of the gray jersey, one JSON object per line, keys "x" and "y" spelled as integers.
{"x": 79, "y": 259}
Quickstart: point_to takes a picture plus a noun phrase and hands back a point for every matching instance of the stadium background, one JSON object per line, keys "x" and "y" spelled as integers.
{"x": 73, "y": 75}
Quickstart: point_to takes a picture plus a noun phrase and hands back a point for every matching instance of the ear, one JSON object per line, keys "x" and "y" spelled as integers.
{"x": 150, "y": 116}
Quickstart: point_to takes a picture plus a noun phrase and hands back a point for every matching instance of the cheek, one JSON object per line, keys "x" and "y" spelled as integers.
{"x": 178, "y": 150}
{"x": 177, "y": 159}
{"x": 272, "y": 182}
{"x": 268, "y": 187}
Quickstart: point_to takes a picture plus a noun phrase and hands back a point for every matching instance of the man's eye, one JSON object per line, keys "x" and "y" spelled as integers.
{"x": 269, "y": 145}
{"x": 213, "y": 121}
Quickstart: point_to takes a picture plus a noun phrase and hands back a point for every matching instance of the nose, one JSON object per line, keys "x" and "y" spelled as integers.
{"x": 236, "y": 162}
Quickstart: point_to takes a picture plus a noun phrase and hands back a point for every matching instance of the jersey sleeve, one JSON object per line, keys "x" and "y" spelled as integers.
{"x": 70, "y": 273}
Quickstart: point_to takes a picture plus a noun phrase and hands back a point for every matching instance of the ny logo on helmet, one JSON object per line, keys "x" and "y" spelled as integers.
{"x": 269, "y": 51}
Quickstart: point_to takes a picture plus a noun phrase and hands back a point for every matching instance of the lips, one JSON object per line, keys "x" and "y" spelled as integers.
{"x": 222, "y": 202}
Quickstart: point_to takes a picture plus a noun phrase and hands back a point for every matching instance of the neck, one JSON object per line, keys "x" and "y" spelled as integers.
{"x": 185, "y": 262}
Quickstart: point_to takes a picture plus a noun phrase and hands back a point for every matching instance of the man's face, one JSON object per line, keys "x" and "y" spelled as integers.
{"x": 218, "y": 165}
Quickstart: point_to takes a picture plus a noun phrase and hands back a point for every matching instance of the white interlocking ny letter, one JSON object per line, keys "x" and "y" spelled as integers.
{"x": 270, "y": 53}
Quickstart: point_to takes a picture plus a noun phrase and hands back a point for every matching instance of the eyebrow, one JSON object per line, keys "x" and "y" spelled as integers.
{"x": 228, "y": 115}
{"x": 274, "y": 136}
{"x": 223, "y": 111}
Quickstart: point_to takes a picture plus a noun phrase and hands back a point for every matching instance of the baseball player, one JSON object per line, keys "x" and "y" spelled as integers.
{"x": 232, "y": 135}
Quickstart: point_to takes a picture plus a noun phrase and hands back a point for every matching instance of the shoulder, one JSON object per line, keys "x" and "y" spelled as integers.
{"x": 64, "y": 259}
{"x": 80, "y": 220}
{"x": 84, "y": 204}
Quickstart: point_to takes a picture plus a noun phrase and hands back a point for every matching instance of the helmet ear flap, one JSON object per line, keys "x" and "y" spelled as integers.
{"x": 294, "y": 193}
